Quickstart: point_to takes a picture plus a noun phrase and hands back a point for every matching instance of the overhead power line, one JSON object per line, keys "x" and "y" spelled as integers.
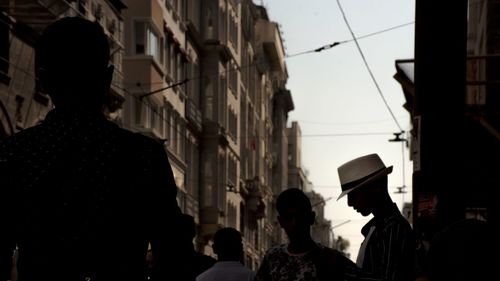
{"x": 368, "y": 67}
{"x": 380, "y": 31}
{"x": 302, "y": 122}
{"x": 348, "y": 134}
{"x": 329, "y": 46}
{"x": 165, "y": 88}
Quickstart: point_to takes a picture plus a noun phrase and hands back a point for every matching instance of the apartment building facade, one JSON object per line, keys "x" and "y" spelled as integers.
{"x": 22, "y": 101}
{"x": 204, "y": 77}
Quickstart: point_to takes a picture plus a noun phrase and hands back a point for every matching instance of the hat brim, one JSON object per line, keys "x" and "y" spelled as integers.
{"x": 383, "y": 172}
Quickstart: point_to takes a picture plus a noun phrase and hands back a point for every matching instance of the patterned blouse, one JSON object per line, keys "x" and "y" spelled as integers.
{"x": 320, "y": 263}
{"x": 281, "y": 265}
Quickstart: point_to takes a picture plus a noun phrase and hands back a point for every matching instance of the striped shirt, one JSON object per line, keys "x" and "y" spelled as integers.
{"x": 389, "y": 254}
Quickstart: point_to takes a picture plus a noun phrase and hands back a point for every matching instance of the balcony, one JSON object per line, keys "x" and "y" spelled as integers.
{"x": 212, "y": 130}
{"x": 212, "y": 45}
{"x": 255, "y": 203}
{"x": 36, "y": 14}
{"x": 268, "y": 35}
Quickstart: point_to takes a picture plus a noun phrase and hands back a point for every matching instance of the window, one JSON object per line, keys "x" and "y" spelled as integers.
{"x": 139, "y": 37}
{"x": 173, "y": 133}
{"x": 233, "y": 124}
{"x": 179, "y": 138}
{"x": 147, "y": 41}
{"x": 175, "y": 68}
{"x": 183, "y": 75}
{"x": 221, "y": 182}
{"x": 162, "y": 51}
{"x": 233, "y": 79}
{"x": 180, "y": 75}
{"x": 223, "y": 100}
{"x": 138, "y": 112}
{"x": 170, "y": 58}
{"x": 153, "y": 116}
{"x": 153, "y": 45}
{"x": 209, "y": 102}
{"x": 193, "y": 163}
{"x": 168, "y": 126}
{"x": 231, "y": 215}
{"x": 223, "y": 26}
{"x": 193, "y": 89}
{"x": 161, "y": 120}
{"x": 245, "y": 60}
{"x": 232, "y": 170}
{"x": 233, "y": 32}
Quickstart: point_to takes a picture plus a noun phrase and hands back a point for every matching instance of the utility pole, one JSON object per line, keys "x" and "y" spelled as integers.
{"x": 439, "y": 107}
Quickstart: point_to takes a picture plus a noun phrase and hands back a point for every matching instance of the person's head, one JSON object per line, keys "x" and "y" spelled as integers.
{"x": 364, "y": 181}
{"x": 295, "y": 214}
{"x": 228, "y": 244}
{"x": 71, "y": 62}
{"x": 366, "y": 199}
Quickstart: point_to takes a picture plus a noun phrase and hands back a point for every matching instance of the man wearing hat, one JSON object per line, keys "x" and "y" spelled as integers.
{"x": 388, "y": 250}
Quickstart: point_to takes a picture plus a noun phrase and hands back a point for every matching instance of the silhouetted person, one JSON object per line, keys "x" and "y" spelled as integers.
{"x": 388, "y": 250}
{"x": 228, "y": 246}
{"x": 462, "y": 251}
{"x": 81, "y": 197}
{"x": 194, "y": 262}
{"x": 467, "y": 249}
{"x": 302, "y": 258}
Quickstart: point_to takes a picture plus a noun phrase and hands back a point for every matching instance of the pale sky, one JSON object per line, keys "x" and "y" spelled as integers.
{"x": 333, "y": 92}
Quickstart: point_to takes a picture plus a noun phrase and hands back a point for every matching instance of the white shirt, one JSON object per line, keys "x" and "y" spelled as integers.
{"x": 361, "y": 254}
{"x": 227, "y": 271}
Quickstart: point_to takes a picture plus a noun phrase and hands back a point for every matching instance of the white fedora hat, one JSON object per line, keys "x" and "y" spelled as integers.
{"x": 361, "y": 171}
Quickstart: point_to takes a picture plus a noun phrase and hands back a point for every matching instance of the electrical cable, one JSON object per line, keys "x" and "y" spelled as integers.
{"x": 368, "y": 67}
{"x": 329, "y": 46}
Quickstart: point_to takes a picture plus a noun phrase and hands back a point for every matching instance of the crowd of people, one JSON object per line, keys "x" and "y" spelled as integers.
{"x": 82, "y": 199}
